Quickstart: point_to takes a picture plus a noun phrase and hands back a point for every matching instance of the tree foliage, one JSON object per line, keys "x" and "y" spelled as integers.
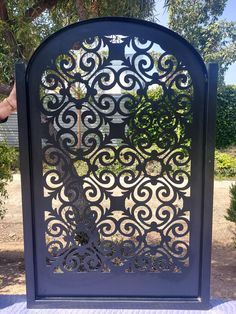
{"x": 24, "y": 24}
{"x": 231, "y": 211}
{"x": 225, "y": 165}
{"x": 226, "y": 117}
{"x": 201, "y": 25}
{"x": 154, "y": 118}
{"x": 7, "y": 161}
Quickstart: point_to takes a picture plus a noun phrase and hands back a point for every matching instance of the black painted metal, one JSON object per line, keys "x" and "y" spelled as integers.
{"x": 117, "y": 143}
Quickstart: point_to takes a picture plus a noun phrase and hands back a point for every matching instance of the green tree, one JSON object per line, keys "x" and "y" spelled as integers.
{"x": 226, "y": 117}
{"x": 231, "y": 211}
{"x": 7, "y": 161}
{"x": 24, "y": 24}
{"x": 199, "y": 22}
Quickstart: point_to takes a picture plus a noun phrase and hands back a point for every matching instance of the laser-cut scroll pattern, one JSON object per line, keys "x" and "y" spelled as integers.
{"x": 118, "y": 189}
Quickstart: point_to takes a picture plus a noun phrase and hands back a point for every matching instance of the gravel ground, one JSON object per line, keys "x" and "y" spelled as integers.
{"x": 12, "y": 280}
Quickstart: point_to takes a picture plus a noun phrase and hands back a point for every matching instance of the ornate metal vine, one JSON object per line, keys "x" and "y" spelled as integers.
{"x": 117, "y": 190}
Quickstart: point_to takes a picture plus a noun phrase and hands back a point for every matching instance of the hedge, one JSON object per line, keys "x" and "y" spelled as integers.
{"x": 225, "y": 120}
{"x": 226, "y": 117}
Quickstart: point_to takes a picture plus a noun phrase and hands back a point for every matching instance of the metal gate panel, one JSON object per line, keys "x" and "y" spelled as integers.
{"x": 116, "y": 125}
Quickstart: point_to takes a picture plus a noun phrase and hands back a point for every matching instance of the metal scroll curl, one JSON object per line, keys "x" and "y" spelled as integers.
{"x": 116, "y": 117}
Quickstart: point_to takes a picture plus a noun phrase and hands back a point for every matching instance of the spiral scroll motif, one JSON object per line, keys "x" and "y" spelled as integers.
{"x": 116, "y": 117}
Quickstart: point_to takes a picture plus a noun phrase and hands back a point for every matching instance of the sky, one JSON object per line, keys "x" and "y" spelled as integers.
{"x": 229, "y": 14}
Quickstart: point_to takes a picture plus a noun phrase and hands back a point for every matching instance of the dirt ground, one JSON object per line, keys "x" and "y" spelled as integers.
{"x": 12, "y": 278}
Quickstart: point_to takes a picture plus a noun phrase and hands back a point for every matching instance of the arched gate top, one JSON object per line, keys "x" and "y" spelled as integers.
{"x": 168, "y": 39}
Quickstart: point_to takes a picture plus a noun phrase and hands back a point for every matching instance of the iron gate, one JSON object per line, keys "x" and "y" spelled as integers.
{"x": 116, "y": 121}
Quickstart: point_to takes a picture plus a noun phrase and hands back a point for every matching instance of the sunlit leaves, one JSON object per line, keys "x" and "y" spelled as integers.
{"x": 201, "y": 25}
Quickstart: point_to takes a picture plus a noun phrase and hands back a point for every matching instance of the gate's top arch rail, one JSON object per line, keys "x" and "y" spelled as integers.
{"x": 169, "y": 40}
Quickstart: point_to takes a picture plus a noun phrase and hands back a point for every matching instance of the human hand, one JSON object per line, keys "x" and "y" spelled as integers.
{"x": 8, "y": 105}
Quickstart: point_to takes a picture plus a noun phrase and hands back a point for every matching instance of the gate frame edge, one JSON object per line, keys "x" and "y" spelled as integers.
{"x": 202, "y": 302}
{"x": 24, "y": 150}
{"x": 208, "y": 179}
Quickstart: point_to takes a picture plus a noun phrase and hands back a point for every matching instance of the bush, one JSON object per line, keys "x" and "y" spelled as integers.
{"x": 158, "y": 116}
{"x": 8, "y": 160}
{"x": 231, "y": 211}
{"x": 146, "y": 129}
{"x": 225, "y": 165}
{"x": 226, "y": 117}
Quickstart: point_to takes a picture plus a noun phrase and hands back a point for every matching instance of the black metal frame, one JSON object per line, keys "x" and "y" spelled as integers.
{"x": 28, "y": 197}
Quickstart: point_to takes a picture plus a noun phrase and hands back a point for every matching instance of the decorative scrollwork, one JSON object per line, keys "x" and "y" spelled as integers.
{"x": 116, "y": 116}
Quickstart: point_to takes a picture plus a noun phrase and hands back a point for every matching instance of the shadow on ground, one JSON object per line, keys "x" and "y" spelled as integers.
{"x": 223, "y": 280}
{"x": 12, "y": 272}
